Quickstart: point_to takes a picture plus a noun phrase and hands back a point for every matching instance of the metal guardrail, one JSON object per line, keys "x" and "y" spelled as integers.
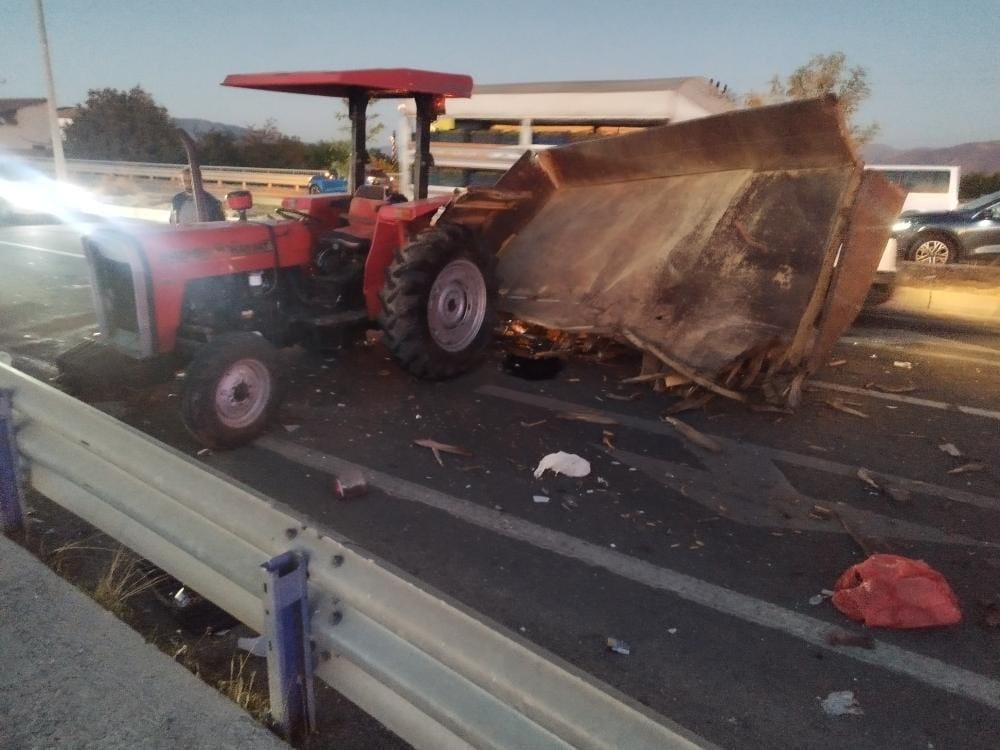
{"x": 242, "y": 176}
{"x": 431, "y": 670}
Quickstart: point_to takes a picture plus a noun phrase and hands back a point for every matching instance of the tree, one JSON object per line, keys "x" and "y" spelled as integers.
{"x": 266, "y": 146}
{"x": 822, "y": 75}
{"x": 333, "y": 155}
{"x": 373, "y": 123}
{"x": 123, "y": 126}
{"x": 219, "y": 148}
{"x": 974, "y": 184}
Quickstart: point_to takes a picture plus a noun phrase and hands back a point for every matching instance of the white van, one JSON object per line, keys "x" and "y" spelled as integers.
{"x": 928, "y": 188}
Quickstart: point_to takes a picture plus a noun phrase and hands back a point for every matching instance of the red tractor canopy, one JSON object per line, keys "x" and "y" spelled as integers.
{"x": 427, "y": 87}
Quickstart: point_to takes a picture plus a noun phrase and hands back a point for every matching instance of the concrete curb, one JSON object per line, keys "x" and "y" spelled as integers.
{"x": 954, "y": 292}
{"x": 75, "y": 676}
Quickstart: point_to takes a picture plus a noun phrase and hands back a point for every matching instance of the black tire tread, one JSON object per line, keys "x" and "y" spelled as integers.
{"x": 202, "y": 374}
{"x": 408, "y": 281}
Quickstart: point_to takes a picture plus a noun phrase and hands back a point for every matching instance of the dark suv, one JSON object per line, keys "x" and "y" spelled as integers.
{"x": 969, "y": 233}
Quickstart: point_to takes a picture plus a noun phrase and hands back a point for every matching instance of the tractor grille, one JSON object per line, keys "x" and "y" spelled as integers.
{"x": 116, "y": 294}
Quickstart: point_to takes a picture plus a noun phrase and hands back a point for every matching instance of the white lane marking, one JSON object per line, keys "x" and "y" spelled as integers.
{"x": 920, "y": 352}
{"x": 43, "y": 249}
{"x": 925, "y": 669}
{"x": 659, "y": 428}
{"x": 974, "y": 411}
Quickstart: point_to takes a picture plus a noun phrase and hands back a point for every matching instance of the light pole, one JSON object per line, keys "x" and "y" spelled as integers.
{"x": 54, "y": 130}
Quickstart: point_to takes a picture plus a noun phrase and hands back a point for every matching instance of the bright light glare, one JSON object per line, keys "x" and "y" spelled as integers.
{"x": 902, "y": 224}
{"x": 23, "y": 189}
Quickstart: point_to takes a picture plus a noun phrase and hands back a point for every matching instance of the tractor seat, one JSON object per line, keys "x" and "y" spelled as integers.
{"x": 350, "y": 240}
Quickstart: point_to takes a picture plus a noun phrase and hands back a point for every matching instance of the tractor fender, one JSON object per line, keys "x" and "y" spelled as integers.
{"x": 396, "y": 224}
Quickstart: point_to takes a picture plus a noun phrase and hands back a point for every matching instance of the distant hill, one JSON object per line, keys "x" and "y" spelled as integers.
{"x": 981, "y": 156}
{"x": 196, "y": 126}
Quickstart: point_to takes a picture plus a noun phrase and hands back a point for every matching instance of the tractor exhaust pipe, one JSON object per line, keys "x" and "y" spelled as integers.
{"x": 195, "y": 167}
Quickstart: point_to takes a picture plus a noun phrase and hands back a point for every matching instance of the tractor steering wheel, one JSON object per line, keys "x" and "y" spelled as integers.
{"x": 291, "y": 213}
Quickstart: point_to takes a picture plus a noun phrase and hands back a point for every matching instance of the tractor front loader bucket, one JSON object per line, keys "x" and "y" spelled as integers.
{"x": 731, "y": 247}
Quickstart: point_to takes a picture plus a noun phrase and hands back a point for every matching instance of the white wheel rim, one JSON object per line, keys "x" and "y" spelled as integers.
{"x": 931, "y": 251}
{"x": 457, "y": 305}
{"x": 243, "y": 393}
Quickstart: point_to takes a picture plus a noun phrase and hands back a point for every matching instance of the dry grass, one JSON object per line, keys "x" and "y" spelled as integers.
{"x": 123, "y": 579}
{"x": 242, "y": 690}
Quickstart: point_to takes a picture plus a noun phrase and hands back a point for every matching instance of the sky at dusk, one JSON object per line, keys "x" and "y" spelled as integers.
{"x": 934, "y": 67}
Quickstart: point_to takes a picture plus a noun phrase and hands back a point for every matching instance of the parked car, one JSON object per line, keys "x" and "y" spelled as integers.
{"x": 328, "y": 182}
{"x": 970, "y": 233}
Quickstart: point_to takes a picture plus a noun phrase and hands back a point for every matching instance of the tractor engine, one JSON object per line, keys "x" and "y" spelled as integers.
{"x": 156, "y": 286}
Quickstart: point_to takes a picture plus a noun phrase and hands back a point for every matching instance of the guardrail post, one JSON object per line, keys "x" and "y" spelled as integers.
{"x": 289, "y": 648}
{"x": 11, "y": 501}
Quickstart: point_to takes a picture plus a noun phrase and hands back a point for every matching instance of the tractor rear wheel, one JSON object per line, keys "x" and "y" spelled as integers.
{"x": 231, "y": 390}
{"x": 439, "y": 302}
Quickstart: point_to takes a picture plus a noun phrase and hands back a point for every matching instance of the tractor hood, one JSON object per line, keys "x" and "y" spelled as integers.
{"x": 730, "y": 247}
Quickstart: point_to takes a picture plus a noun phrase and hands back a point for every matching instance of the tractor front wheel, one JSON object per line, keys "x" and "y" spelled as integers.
{"x": 231, "y": 390}
{"x": 439, "y": 302}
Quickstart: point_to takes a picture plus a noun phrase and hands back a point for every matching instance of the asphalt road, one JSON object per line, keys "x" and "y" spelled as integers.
{"x": 698, "y": 560}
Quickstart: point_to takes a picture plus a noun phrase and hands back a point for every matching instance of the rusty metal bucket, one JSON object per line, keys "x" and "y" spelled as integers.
{"x": 729, "y": 247}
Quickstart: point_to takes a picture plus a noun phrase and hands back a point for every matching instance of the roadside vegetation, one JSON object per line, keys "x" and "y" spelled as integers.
{"x": 130, "y": 126}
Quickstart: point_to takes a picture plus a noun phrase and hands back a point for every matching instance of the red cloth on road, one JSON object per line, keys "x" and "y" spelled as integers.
{"x": 889, "y": 591}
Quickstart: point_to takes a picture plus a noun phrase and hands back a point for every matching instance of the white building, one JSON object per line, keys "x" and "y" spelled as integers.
{"x": 24, "y": 126}
{"x": 478, "y": 138}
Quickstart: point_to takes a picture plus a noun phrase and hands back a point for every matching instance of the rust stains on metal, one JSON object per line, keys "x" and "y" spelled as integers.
{"x": 730, "y": 247}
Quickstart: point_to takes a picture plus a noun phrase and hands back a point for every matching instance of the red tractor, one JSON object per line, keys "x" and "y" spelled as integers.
{"x": 219, "y": 298}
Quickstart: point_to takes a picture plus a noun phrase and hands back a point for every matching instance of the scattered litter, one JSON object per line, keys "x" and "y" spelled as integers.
{"x": 867, "y": 544}
{"x": 603, "y": 482}
{"x": 841, "y": 637}
{"x": 619, "y": 397}
{"x": 819, "y": 448}
{"x": 254, "y": 646}
{"x": 533, "y": 424}
{"x": 951, "y": 449}
{"x": 438, "y": 448}
{"x": 619, "y": 647}
{"x": 204, "y": 452}
{"x": 561, "y": 462}
{"x": 836, "y": 363}
{"x": 672, "y": 631}
{"x": 865, "y": 476}
{"x": 903, "y": 365}
{"x": 607, "y": 438}
{"x": 816, "y": 600}
{"x": 899, "y": 495}
{"x": 291, "y": 427}
{"x": 586, "y": 416}
{"x": 540, "y": 498}
{"x": 841, "y": 405}
{"x": 350, "y": 484}
{"x": 890, "y": 591}
{"x": 821, "y": 512}
{"x": 971, "y": 466}
{"x": 690, "y": 404}
{"x": 771, "y": 408}
{"x": 890, "y": 388}
{"x": 691, "y": 434}
{"x": 182, "y": 598}
{"x": 841, "y": 703}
